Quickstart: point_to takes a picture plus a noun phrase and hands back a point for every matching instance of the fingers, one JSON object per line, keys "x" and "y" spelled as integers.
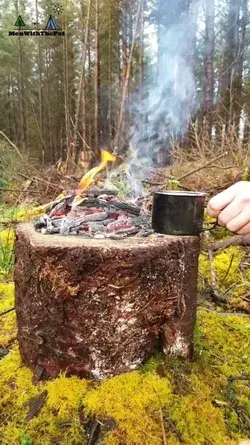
{"x": 220, "y": 201}
{"x": 229, "y": 213}
{"x": 245, "y": 230}
{"x": 237, "y": 223}
{"x": 232, "y": 208}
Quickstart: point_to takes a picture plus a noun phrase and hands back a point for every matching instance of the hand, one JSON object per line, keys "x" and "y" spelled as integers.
{"x": 232, "y": 208}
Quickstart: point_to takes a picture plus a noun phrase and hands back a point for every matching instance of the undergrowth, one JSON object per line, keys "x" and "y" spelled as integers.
{"x": 231, "y": 271}
{"x": 9, "y": 217}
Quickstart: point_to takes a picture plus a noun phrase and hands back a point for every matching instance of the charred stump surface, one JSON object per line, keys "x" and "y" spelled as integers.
{"x": 101, "y": 307}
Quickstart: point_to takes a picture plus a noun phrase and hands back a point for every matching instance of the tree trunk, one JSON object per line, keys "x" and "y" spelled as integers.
{"x": 126, "y": 83}
{"x": 97, "y": 79}
{"x": 141, "y": 50}
{"x": 246, "y": 136}
{"x": 23, "y": 129}
{"x": 230, "y": 56}
{"x": 39, "y": 70}
{"x": 110, "y": 79}
{"x": 193, "y": 35}
{"x": 81, "y": 94}
{"x": 238, "y": 78}
{"x": 66, "y": 93}
{"x": 124, "y": 40}
{"x": 188, "y": 139}
{"x": 208, "y": 92}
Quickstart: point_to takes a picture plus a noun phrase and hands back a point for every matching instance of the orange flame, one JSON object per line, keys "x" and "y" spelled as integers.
{"x": 87, "y": 179}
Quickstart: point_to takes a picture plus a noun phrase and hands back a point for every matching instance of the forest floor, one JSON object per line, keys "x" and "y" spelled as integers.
{"x": 205, "y": 401}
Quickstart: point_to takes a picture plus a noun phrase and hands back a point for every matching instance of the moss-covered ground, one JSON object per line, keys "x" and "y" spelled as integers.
{"x": 168, "y": 401}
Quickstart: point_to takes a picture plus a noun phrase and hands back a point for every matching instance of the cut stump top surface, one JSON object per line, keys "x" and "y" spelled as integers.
{"x": 72, "y": 241}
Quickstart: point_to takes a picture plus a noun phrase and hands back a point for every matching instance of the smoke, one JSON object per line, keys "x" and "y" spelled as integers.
{"x": 162, "y": 116}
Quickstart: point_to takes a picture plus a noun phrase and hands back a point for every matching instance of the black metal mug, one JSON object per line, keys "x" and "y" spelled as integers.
{"x": 179, "y": 213}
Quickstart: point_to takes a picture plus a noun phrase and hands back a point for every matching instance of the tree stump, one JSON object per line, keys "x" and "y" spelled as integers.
{"x": 100, "y": 307}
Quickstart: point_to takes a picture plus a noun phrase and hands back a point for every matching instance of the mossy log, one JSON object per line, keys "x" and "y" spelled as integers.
{"x": 100, "y": 307}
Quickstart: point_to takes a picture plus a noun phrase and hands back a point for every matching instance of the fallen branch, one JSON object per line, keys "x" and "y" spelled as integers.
{"x": 238, "y": 240}
{"x": 240, "y": 377}
{"x": 208, "y": 164}
{"x": 12, "y": 144}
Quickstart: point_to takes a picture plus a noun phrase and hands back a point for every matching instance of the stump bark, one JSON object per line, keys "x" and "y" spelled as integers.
{"x": 100, "y": 307}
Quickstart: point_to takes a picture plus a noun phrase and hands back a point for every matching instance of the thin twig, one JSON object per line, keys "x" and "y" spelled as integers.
{"x": 202, "y": 167}
{"x": 228, "y": 270}
{"x": 212, "y": 272}
{"x": 7, "y": 311}
{"x": 214, "y": 293}
{"x": 163, "y": 428}
{"x": 175, "y": 431}
{"x": 12, "y": 144}
{"x": 9, "y": 223}
{"x": 18, "y": 190}
{"x": 222, "y": 168}
{"x": 52, "y": 184}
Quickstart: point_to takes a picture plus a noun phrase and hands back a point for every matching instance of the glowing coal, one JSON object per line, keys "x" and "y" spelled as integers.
{"x": 99, "y": 215}
{"x": 96, "y": 213}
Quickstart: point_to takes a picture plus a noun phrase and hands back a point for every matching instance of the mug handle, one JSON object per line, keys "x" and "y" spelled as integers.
{"x": 214, "y": 225}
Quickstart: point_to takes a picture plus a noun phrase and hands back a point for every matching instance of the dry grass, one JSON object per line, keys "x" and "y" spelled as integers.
{"x": 231, "y": 163}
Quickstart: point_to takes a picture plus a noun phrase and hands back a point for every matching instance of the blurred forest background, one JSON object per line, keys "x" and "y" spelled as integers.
{"x": 65, "y": 97}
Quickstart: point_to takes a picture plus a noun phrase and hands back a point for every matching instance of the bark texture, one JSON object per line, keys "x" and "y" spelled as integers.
{"x": 97, "y": 308}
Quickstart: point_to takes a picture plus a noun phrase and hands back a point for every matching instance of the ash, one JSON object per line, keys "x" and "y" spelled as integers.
{"x": 100, "y": 215}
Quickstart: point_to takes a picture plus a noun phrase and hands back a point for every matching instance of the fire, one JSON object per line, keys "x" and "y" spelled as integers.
{"x": 87, "y": 179}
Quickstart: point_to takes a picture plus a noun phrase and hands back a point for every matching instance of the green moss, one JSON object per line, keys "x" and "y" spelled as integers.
{"x": 8, "y": 321}
{"x": 136, "y": 401}
{"x": 198, "y": 400}
{"x": 6, "y": 251}
{"x": 62, "y": 405}
{"x": 7, "y": 238}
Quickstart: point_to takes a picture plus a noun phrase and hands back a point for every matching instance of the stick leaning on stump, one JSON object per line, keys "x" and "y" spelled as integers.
{"x": 97, "y": 308}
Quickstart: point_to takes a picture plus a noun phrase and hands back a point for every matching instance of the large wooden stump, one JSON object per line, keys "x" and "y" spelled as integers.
{"x": 100, "y": 307}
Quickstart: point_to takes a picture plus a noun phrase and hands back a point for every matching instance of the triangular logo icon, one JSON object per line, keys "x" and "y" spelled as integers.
{"x": 19, "y": 22}
{"x": 51, "y": 24}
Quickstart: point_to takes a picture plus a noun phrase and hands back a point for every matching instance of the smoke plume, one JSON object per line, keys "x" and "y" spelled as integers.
{"x": 169, "y": 100}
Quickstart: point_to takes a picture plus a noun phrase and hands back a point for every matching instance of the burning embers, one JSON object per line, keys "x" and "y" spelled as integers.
{"x": 96, "y": 213}
{"x": 99, "y": 215}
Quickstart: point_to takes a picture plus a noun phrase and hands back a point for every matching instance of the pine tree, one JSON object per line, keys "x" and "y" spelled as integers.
{"x": 19, "y": 22}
